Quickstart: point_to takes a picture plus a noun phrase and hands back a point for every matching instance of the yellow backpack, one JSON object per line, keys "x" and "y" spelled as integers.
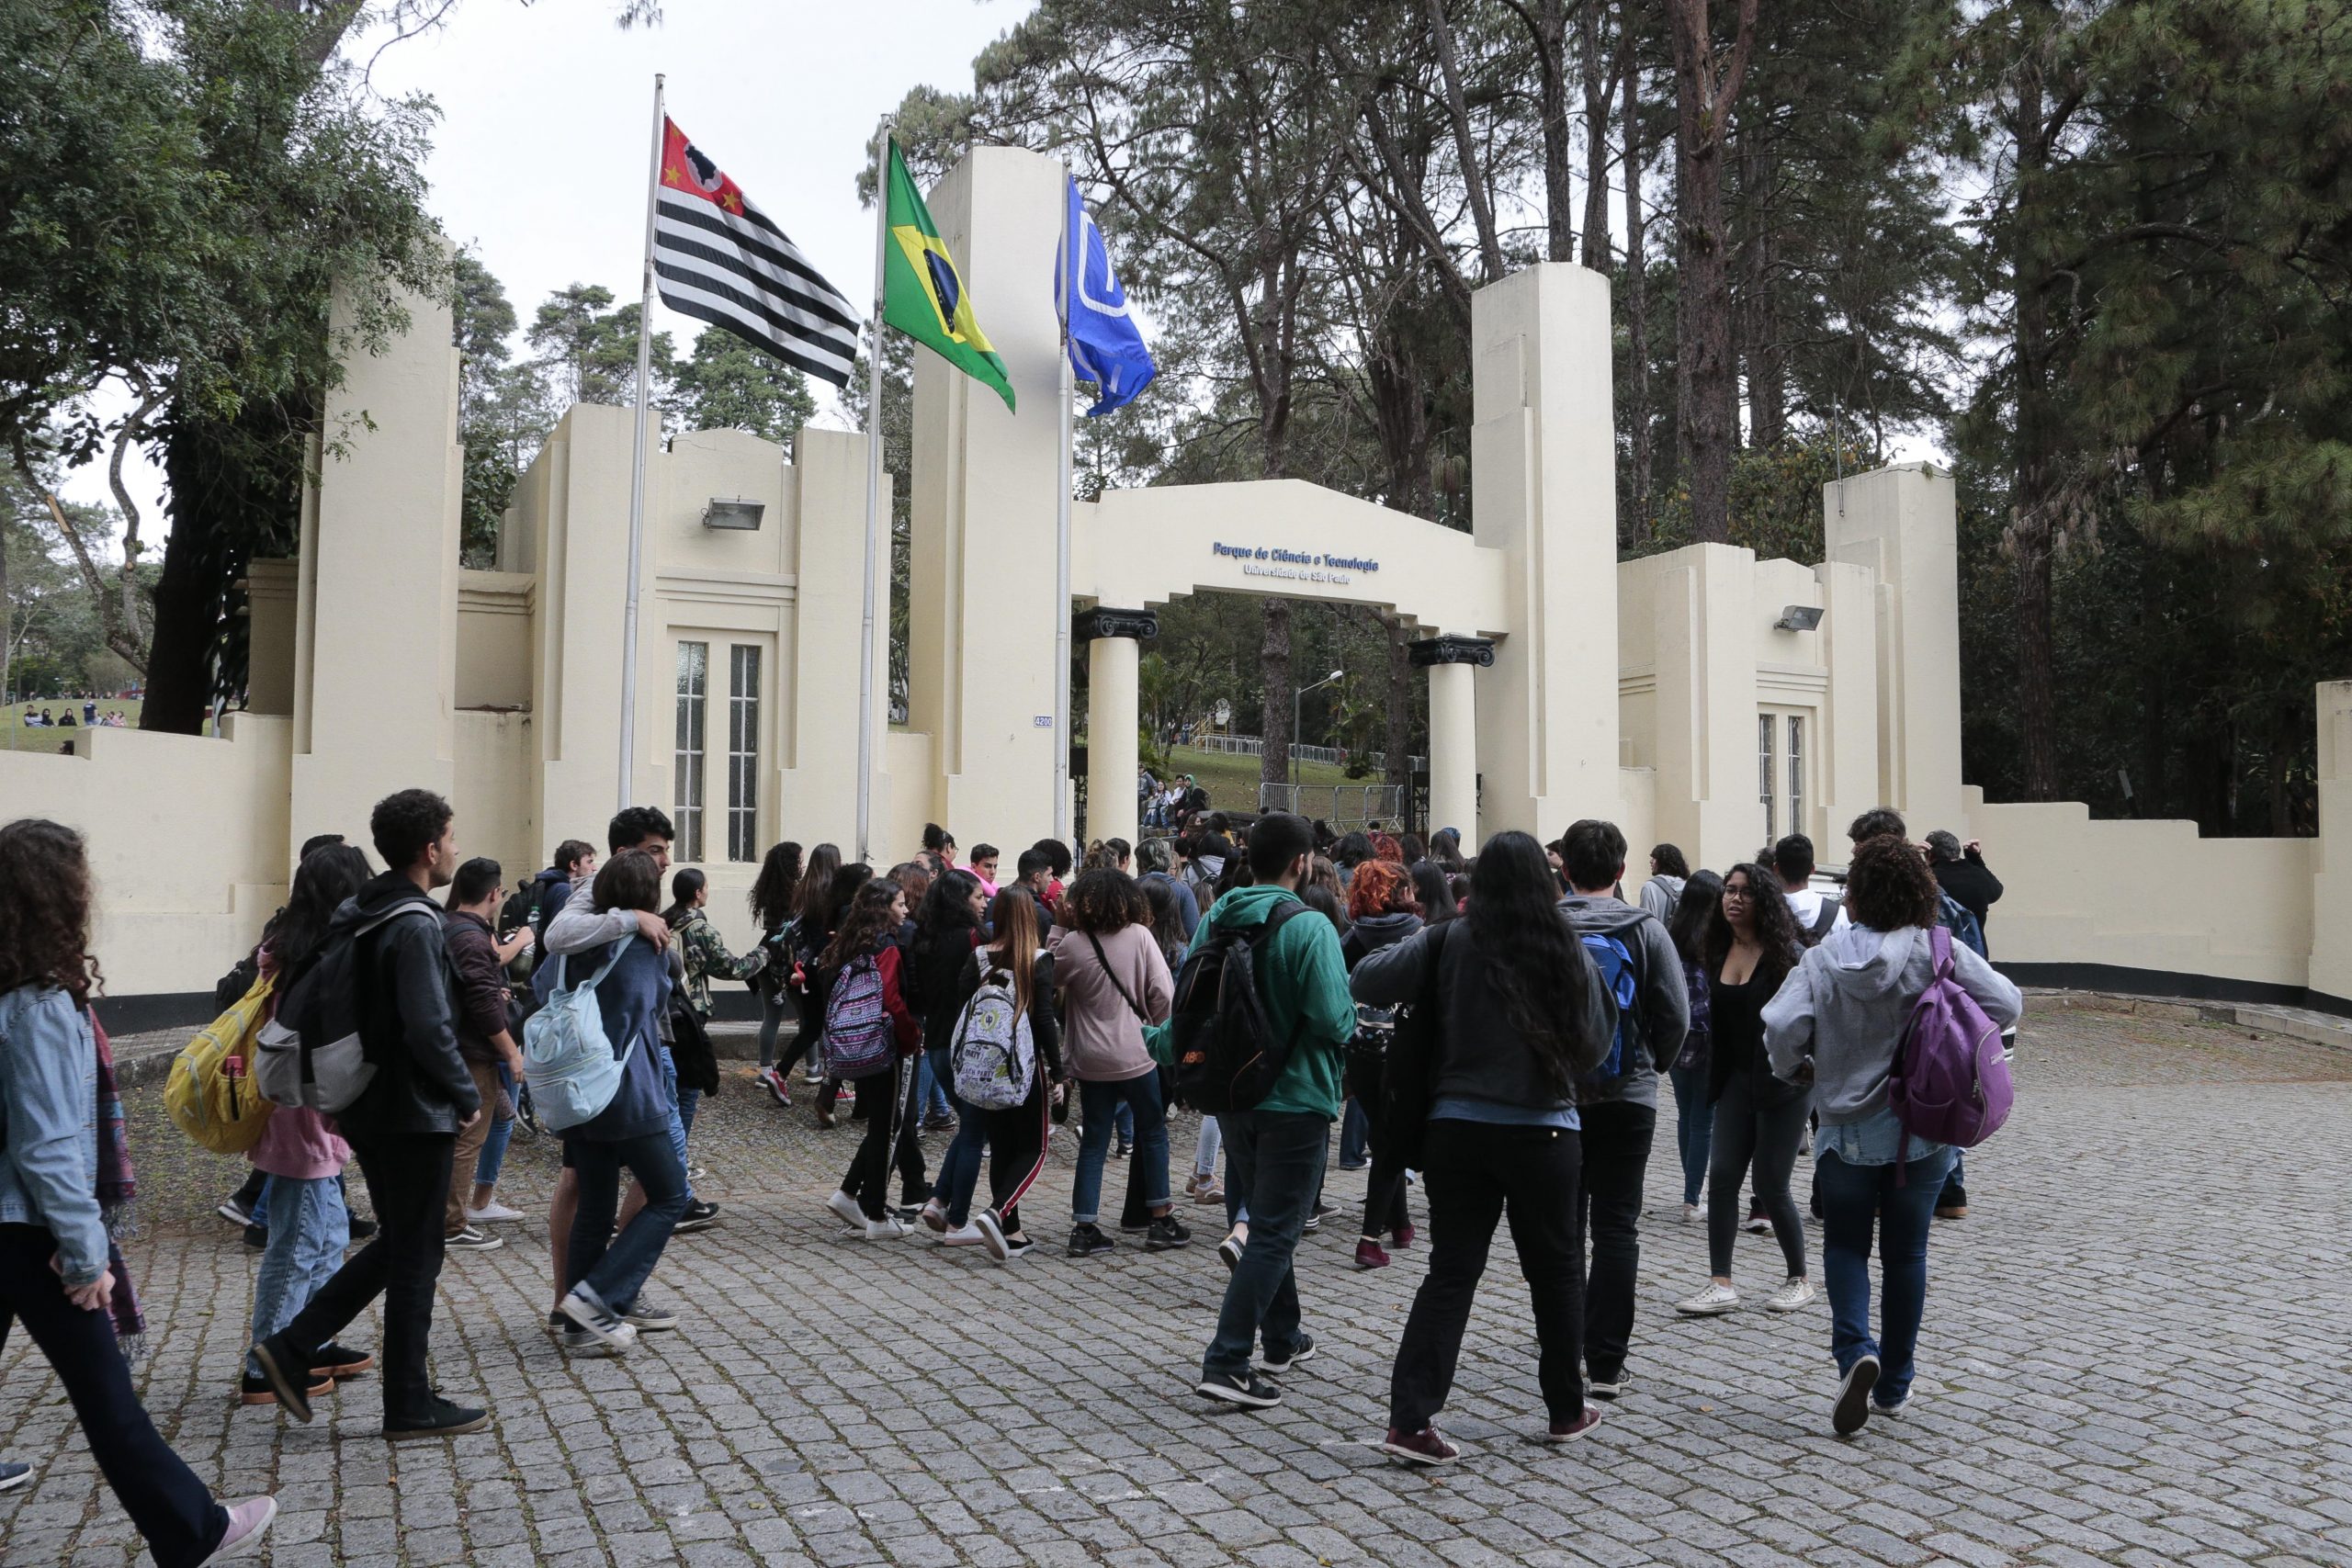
{"x": 211, "y": 1094}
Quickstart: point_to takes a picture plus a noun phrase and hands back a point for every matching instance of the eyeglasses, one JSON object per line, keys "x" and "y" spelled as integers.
{"x": 1743, "y": 894}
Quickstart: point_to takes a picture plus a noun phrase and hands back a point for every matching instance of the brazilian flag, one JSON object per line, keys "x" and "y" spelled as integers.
{"x": 923, "y": 293}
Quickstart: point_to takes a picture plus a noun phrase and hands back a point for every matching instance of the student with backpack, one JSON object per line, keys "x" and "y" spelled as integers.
{"x": 1007, "y": 1066}
{"x": 1849, "y": 1020}
{"x": 802, "y": 941}
{"x": 1752, "y": 943}
{"x": 772, "y": 895}
{"x": 631, "y": 981}
{"x": 705, "y": 954}
{"x": 1113, "y": 985}
{"x": 1617, "y": 1105}
{"x": 870, "y": 1034}
{"x": 387, "y": 942}
{"x": 1508, "y": 1017}
{"x": 65, "y": 1184}
{"x": 491, "y": 1054}
{"x": 1265, "y": 1058}
{"x": 1382, "y": 912}
{"x": 947, "y": 929}
{"x": 1694, "y": 1119}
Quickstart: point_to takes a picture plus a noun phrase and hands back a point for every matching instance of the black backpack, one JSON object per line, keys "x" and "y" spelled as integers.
{"x": 1226, "y": 1055}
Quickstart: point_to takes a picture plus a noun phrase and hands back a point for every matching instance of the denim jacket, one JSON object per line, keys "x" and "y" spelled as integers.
{"x": 49, "y": 1115}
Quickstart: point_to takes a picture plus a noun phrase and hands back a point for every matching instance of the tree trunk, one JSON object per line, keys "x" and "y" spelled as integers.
{"x": 187, "y": 613}
{"x": 1596, "y": 141}
{"x": 1474, "y": 179}
{"x": 1703, "y": 305}
{"x": 1763, "y": 353}
{"x": 1637, "y": 301}
{"x": 1399, "y": 774}
{"x": 2035, "y": 486}
{"x": 1281, "y": 685}
{"x": 1559, "y": 200}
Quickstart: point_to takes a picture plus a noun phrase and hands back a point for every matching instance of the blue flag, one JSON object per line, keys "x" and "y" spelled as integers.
{"x": 1106, "y": 344}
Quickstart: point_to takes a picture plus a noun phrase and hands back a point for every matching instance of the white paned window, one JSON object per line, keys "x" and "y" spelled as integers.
{"x": 686, "y": 768}
{"x": 1797, "y": 773}
{"x": 743, "y": 754}
{"x": 1764, "y": 770}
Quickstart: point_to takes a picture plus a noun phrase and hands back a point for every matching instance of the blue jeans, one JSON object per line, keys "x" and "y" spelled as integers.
{"x": 932, "y": 1098}
{"x": 1096, "y": 1101}
{"x": 1275, "y": 1159}
{"x": 613, "y": 1267}
{"x": 492, "y": 1159}
{"x": 1123, "y": 1122}
{"x": 959, "y": 1168}
{"x": 1694, "y": 1127}
{"x": 1905, "y": 1213}
{"x": 682, "y": 1116}
{"x": 1355, "y": 1133}
{"x": 305, "y": 1249}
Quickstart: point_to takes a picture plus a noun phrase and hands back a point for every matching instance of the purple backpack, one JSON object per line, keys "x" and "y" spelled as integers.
{"x": 1949, "y": 1084}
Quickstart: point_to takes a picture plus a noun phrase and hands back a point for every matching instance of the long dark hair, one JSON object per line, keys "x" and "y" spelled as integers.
{"x": 946, "y": 907}
{"x": 1167, "y": 917}
{"x": 865, "y": 927}
{"x": 1776, "y": 927}
{"x": 1445, "y": 848}
{"x": 1014, "y": 917}
{"x": 813, "y": 902}
{"x": 1533, "y": 962}
{"x": 1435, "y": 891}
{"x": 1702, "y": 898}
{"x": 778, "y": 886}
{"x": 324, "y": 879}
{"x": 685, "y": 883}
{"x": 45, "y": 918}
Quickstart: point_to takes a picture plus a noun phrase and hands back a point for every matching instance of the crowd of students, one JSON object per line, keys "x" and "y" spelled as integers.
{"x": 1493, "y": 1027}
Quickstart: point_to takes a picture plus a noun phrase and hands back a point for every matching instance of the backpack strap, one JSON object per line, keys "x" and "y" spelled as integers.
{"x": 1939, "y": 951}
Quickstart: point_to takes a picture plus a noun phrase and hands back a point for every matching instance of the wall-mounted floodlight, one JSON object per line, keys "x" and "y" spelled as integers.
{"x": 1798, "y": 618}
{"x": 739, "y": 514}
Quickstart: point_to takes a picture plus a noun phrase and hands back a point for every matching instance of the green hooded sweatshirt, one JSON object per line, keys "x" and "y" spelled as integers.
{"x": 1305, "y": 979}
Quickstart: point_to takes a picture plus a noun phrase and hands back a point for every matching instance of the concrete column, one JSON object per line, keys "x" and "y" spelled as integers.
{"x": 1114, "y": 703}
{"x": 1454, "y": 731}
{"x": 2331, "y": 960}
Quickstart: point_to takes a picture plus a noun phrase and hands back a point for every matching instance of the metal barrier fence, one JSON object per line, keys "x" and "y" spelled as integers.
{"x": 1340, "y": 806}
{"x": 1255, "y": 746}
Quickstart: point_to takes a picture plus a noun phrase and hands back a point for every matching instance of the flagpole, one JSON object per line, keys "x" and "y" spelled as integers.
{"x": 873, "y": 497}
{"x": 637, "y": 472}
{"x": 1061, "y": 534}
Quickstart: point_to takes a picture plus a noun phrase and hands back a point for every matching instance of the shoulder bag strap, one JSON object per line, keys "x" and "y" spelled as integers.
{"x": 1111, "y": 974}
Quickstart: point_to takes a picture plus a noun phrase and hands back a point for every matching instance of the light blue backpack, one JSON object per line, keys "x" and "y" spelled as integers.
{"x": 567, "y": 1060}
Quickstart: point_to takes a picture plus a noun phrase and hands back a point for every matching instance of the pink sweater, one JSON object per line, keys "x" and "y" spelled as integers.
{"x": 296, "y": 1141}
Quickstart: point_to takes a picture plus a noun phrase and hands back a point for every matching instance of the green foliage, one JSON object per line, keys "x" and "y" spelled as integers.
{"x": 728, "y": 385}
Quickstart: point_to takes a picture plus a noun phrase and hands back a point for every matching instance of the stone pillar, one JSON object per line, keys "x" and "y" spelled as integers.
{"x": 1454, "y": 731}
{"x": 1113, "y": 701}
{"x": 270, "y": 597}
{"x": 2331, "y": 965}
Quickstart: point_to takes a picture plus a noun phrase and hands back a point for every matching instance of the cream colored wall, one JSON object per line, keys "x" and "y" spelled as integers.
{"x": 491, "y": 798}
{"x": 495, "y": 610}
{"x": 270, "y": 593}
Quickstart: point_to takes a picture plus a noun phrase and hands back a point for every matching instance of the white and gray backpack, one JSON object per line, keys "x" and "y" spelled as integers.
{"x": 994, "y": 1055}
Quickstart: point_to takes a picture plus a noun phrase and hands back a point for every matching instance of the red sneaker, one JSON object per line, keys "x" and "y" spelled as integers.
{"x": 1369, "y": 1256}
{"x": 1424, "y": 1446}
{"x": 1568, "y": 1432}
{"x": 1402, "y": 1236}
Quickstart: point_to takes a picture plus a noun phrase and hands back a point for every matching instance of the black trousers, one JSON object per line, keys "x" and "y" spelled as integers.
{"x": 407, "y": 1181}
{"x": 868, "y": 1177}
{"x": 172, "y": 1509}
{"x": 1017, "y": 1151}
{"x": 1609, "y": 1216}
{"x": 1750, "y": 1130}
{"x": 1384, "y": 1190}
{"x": 1476, "y": 1173}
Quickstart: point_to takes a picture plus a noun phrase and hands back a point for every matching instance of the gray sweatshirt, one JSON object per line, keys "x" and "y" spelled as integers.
{"x": 1845, "y": 1007}
{"x": 580, "y": 928}
{"x": 1663, "y": 1001}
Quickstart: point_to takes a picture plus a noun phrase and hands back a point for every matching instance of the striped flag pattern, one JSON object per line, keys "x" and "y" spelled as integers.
{"x": 719, "y": 259}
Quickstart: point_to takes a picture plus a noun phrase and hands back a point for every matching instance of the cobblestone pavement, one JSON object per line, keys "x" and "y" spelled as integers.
{"x": 2135, "y": 1353}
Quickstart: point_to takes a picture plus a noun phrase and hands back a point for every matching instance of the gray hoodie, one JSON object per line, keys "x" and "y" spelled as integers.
{"x": 1845, "y": 1007}
{"x": 1664, "y": 1000}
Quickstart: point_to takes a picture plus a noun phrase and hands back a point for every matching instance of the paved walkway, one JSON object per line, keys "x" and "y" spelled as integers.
{"x": 2135, "y": 1353}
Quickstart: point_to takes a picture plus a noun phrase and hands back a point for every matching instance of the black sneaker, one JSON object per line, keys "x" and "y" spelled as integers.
{"x": 1119, "y": 1150}
{"x": 257, "y": 1236}
{"x": 1014, "y": 1245}
{"x": 1243, "y": 1388}
{"x": 286, "y": 1373}
{"x": 646, "y": 1314}
{"x": 1853, "y": 1406}
{"x": 14, "y": 1475}
{"x": 333, "y": 1361}
{"x": 699, "y": 1216}
{"x": 1316, "y": 1215}
{"x": 234, "y": 1210}
{"x": 1085, "y": 1241}
{"x": 472, "y": 1239}
{"x": 1167, "y": 1234}
{"x": 589, "y": 1315}
{"x": 1136, "y": 1227}
{"x": 252, "y": 1390}
{"x": 362, "y": 1229}
{"x": 1302, "y": 1351}
{"x": 442, "y": 1419}
{"x": 1609, "y": 1387}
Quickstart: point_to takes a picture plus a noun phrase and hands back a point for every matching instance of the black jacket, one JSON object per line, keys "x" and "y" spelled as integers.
{"x": 407, "y": 1015}
{"x": 1971, "y": 882}
{"x": 931, "y": 978}
{"x": 1479, "y": 1053}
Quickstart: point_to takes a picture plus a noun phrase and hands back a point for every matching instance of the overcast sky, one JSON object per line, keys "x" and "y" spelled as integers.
{"x": 543, "y": 152}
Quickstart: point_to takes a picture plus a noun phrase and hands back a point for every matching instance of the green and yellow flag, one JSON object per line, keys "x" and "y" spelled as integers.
{"x": 923, "y": 293}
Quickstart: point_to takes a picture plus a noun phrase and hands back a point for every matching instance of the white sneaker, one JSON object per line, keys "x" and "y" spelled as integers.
{"x": 933, "y": 1217}
{"x": 1790, "y": 1297}
{"x": 495, "y": 1212}
{"x": 1757, "y": 1225}
{"x": 1692, "y": 1213}
{"x": 1712, "y": 1302}
{"x": 248, "y": 1522}
{"x": 965, "y": 1235}
{"x": 887, "y": 1228}
{"x": 845, "y": 1205}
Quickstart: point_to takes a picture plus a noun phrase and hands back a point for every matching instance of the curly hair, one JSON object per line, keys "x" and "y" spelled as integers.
{"x": 1776, "y": 926}
{"x": 1386, "y": 848}
{"x": 1889, "y": 886}
{"x": 45, "y": 918}
{"x": 1102, "y": 901}
{"x": 1381, "y": 887}
{"x": 865, "y": 926}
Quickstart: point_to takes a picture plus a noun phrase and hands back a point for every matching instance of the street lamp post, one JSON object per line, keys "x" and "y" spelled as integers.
{"x": 1298, "y": 707}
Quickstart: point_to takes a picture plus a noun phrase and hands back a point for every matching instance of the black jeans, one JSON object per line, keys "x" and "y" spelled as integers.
{"x": 1476, "y": 1172}
{"x": 1016, "y": 1151}
{"x": 1275, "y": 1160}
{"x": 408, "y": 1182}
{"x": 1766, "y": 1135}
{"x": 868, "y": 1177}
{"x": 1608, "y": 1212}
{"x": 172, "y": 1509}
{"x": 616, "y": 1268}
{"x": 1384, "y": 1188}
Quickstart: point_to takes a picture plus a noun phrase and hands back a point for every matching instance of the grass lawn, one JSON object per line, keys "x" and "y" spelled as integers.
{"x": 1232, "y": 781}
{"x": 14, "y": 736}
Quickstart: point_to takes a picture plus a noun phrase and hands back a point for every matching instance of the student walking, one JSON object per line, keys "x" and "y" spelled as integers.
{"x": 1839, "y": 1020}
{"x": 1694, "y": 1119}
{"x": 1521, "y": 1017}
{"x": 705, "y": 955}
{"x": 816, "y": 904}
{"x": 772, "y": 896}
{"x": 1016, "y": 1135}
{"x": 483, "y": 1039}
{"x": 1274, "y": 1149}
{"x": 1113, "y": 983}
{"x": 867, "y": 1022}
{"x": 606, "y": 1306}
{"x": 1382, "y": 912}
{"x": 1619, "y": 1110}
{"x": 1752, "y": 943}
{"x": 402, "y": 1128}
{"x": 947, "y": 929}
{"x": 310, "y": 1226}
{"x": 65, "y": 1183}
